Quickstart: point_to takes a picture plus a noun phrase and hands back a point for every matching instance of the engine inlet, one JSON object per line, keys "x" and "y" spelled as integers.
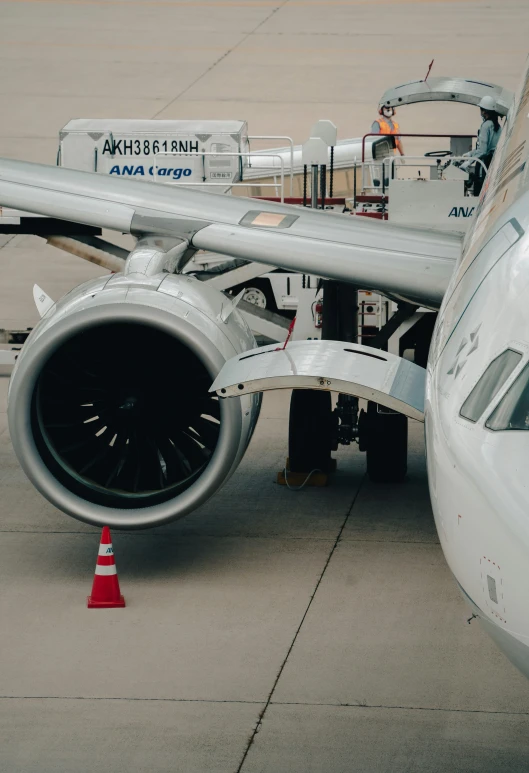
{"x": 122, "y": 417}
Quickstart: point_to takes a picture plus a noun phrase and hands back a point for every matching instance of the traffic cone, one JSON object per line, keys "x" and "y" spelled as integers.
{"x": 105, "y": 590}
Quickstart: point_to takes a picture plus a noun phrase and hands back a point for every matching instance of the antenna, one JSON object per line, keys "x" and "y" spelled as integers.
{"x": 429, "y": 70}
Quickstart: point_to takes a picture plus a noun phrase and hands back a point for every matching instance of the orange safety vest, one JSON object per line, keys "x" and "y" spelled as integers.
{"x": 385, "y": 127}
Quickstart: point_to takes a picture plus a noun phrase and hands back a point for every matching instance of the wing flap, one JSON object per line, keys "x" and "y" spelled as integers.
{"x": 400, "y": 272}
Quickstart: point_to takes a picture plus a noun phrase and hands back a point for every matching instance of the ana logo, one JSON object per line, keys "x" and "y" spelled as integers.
{"x": 133, "y": 171}
{"x": 461, "y": 212}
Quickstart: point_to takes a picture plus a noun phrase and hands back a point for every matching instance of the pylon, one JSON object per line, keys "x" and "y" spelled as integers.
{"x": 105, "y": 590}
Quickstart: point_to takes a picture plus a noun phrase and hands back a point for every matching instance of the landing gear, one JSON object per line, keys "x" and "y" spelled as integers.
{"x": 313, "y": 425}
{"x": 311, "y": 431}
{"x": 315, "y": 429}
{"x": 383, "y": 435}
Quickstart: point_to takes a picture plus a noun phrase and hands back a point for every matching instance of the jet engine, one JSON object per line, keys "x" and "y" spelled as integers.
{"x": 109, "y": 409}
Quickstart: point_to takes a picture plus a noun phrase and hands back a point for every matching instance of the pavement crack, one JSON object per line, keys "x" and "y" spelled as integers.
{"x": 121, "y": 698}
{"x": 261, "y": 716}
{"x": 172, "y": 535}
{"x": 8, "y": 240}
{"x": 390, "y": 707}
{"x": 224, "y": 56}
{"x": 357, "y": 705}
{"x": 231, "y": 535}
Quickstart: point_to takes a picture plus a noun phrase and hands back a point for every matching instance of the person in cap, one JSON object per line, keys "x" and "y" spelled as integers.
{"x": 387, "y": 125}
{"x": 488, "y": 136}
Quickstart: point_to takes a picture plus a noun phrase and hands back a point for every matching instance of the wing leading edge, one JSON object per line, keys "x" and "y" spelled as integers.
{"x": 409, "y": 263}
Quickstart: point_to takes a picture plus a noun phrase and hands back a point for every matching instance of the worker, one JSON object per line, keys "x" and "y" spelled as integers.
{"x": 488, "y": 136}
{"x": 386, "y": 125}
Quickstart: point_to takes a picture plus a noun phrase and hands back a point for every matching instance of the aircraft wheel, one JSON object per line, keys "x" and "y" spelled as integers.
{"x": 384, "y": 437}
{"x": 310, "y": 431}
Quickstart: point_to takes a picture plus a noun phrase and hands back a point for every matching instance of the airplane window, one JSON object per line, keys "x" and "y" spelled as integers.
{"x": 512, "y": 412}
{"x": 489, "y": 384}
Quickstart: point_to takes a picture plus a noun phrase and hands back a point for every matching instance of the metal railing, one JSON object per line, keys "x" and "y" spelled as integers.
{"x": 226, "y": 184}
{"x": 386, "y": 168}
{"x": 403, "y": 161}
{"x": 403, "y": 134}
{"x": 276, "y": 137}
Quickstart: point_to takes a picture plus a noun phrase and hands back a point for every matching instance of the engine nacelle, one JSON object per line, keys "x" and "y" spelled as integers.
{"x": 109, "y": 410}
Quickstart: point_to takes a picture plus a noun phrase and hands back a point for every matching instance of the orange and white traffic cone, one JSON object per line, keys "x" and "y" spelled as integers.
{"x": 105, "y": 590}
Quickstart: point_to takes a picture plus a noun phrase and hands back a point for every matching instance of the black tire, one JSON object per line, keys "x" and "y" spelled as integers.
{"x": 384, "y": 436}
{"x": 310, "y": 431}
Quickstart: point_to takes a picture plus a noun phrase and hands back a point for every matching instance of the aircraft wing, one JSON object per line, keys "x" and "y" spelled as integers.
{"x": 410, "y": 263}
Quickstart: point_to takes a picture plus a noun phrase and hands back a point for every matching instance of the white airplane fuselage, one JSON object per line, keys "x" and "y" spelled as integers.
{"x": 478, "y": 464}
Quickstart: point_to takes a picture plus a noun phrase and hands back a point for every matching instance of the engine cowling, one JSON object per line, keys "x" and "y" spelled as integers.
{"x": 109, "y": 410}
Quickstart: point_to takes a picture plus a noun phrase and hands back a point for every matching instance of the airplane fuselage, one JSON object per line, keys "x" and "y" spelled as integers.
{"x": 477, "y": 425}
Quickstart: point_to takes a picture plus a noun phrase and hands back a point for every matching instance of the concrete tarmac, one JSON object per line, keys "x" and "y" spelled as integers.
{"x": 272, "y": 631}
